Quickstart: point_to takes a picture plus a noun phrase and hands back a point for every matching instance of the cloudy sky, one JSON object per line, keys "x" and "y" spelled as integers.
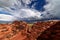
{"x": 11, "y": 10}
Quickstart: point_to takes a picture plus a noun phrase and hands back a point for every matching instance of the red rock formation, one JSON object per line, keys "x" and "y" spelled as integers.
{"x": 52, "y": 33}
{"x": 20, "y": 30}
{"x": 39, "y": 27}
{"x": 13, "y": 31}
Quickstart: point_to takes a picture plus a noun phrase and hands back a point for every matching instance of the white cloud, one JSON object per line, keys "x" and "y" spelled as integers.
{"x": 26, "y": 1}
{"x": 4, "y": 17}
{"x": 23, "y": 12}
{"x": 26, "y": 13}
{"x": 7, "y": 3}
{"x": 53, "y": 7}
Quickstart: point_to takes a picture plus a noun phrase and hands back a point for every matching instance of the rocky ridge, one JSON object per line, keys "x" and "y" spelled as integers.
{"x": 20, "y": 30}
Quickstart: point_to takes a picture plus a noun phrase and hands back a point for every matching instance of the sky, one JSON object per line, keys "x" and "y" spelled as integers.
{"x": 11, "y": 10}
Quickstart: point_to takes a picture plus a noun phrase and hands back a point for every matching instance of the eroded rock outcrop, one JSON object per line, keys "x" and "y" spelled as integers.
{"x": 52, "y": 33}
{"x": 20, "y": 30}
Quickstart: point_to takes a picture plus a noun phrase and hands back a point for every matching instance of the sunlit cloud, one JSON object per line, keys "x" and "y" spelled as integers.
{"x": 19, "y": 10}
{"x": 23, "y": 12}
{"x": 53, "y": 8}
{"x": 4, "y": 17}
